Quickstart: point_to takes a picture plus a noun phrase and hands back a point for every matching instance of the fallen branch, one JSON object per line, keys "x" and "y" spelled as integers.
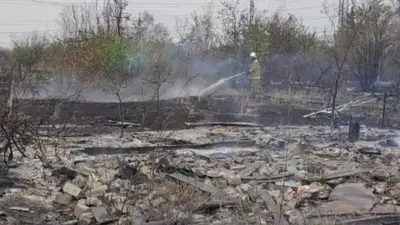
{"x": 336, "y": 175}
{"x": 200, "y": 185}
{"x": 267, "y": 179}
{"x": 237, "y": 115}
{"x": 233, "y": 124}
{"x": 340, "y": 108}
{"x": 119, "y": 123}
{"x": 209, "y": 206}
{"x": 144, "y": 149}
{"x": 390, "y": 219}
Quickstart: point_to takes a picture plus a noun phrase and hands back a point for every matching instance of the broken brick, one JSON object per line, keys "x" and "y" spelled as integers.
{"x": 80, "y": 209}
{"x": 101, "y": 215}
{"x": 71, "y": 189}
{"x": 98, "y": 191}
{"x": 63, "y": 199}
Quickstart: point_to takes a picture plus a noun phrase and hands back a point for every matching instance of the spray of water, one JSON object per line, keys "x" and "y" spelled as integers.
{"x": 217, "y": 84}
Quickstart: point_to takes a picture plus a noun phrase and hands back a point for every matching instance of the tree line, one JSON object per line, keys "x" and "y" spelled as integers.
{"x": 103, "y": 44}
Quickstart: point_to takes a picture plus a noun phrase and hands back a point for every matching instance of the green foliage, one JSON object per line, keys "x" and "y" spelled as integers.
{"x": 118, "y": 53}
{"x": 256, "y": 39}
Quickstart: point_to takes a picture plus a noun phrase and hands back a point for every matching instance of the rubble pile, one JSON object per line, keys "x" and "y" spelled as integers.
{"x": 285, "y": 175}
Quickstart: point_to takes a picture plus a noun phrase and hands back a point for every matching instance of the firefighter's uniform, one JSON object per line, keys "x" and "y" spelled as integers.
{"x": 255, "y": 76}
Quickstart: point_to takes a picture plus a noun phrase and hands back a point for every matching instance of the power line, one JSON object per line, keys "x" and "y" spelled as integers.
{"x": 27, "y": 32}
{"x": 168, "y": 8}
{"x": 322, "y": 30}
{"x": 146, "y": 5}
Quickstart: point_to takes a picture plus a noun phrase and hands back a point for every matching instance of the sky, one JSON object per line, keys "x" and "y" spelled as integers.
{"x": 21, "y": 17}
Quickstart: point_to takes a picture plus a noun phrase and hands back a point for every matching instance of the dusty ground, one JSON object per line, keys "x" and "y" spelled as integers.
{"x": 164, "y": 172}
{"x": 264, "y": 175}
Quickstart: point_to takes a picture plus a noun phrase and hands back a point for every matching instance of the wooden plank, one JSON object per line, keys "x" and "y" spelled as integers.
{"x": 182, "y": 221}
{"x": 268, "y": 178}
{"x": 389, "y": 219}
{"x": 234, "y": 124}
{"x": 279, "y": 217}
{"x": 250, "y": 169}
{"x": 144, "y": 149}
{"x": 200, "y": 185}
{"x": 345, "y": 173}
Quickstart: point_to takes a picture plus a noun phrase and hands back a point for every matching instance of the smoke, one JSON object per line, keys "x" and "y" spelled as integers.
{"x": 189, "y": 78}
{"x": 69, "y": 89}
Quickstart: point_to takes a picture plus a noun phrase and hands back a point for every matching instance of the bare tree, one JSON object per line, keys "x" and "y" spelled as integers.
{"x": 372, "y": 41}
{"x": 341, "y": 50}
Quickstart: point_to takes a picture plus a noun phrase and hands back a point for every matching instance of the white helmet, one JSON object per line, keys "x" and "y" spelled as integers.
{"x": 253, "y": 55}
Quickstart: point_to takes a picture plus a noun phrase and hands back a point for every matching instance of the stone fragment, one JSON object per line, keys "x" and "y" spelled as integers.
{"x": 265, "y": 170}
{"x": 233, "y": 179}
{"x": 124, "y": 221}
{"x": 380, "y": 188}
{"x": 101, "y": 215}
{"x": 71, "y": 222}
{"x": 395, "y": 191}
{"x": 86, "y": 218}
{"x": 24, "y": 209}
{"x": 354, "y": 192}
{"x": 92, "y": 201}
{"x": 324, "y": 193}
{"x": 288, "y": 183}
{"x": 231, "y": 192}
{"x": 230, "y": 177}
{"x": 348, "y": 198}
{"x": 208, "y": 182}
{"x": 393, "y": 142}
{"x": 97, "y": 191}
{"x": 84, "y": 169}
{"x": 63, "y": 199}
{"x": 275, "y": 193}
{"x": 106, "y": 175}
{"x": 213, "y": 173}
{"x": 238, "y": 160}
{"x": 245, "y": 187}
{"x": 220, "y": 183}
{"x": 380, "y": 173}
{"x": 250, "y": 169}
{"x": 238, "y": 167}
{"x": 147, "y": 171}
{"x": 79, "y": 181}
{"x": 201, "y": 172}
{"x": 80, "y": 209}
{"x": 71, "y": 189}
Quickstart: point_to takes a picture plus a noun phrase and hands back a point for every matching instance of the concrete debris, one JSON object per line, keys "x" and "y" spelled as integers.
{"x": 380, "y": 173}
{"x": 101, "y": 215}
{"x": 316, "y": 176}
{"x": 63, "y": 199}
{"x": 71, "y": 189}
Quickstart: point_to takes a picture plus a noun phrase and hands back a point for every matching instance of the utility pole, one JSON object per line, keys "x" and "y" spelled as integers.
{"x": 251, "y": 17}
{"x": 343, "y": 9}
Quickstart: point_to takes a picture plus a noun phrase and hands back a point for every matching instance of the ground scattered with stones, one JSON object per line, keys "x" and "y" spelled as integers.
{"x": 280, "y": 175}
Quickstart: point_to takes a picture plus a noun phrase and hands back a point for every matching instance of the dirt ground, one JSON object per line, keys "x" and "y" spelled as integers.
{"x": 173, "y": 113}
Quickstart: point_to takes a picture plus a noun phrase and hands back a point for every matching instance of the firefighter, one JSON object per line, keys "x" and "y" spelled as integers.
{"x": 255, "y": 76}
